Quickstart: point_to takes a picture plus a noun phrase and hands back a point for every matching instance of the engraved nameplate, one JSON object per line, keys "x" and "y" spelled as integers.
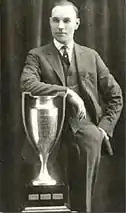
{"x": 45, "y": 196}
{"x": 33, "y": 197}
{"x": 57, "y": 196}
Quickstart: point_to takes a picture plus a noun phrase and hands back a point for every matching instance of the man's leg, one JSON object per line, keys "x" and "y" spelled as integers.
{"x": 83, "y": 171}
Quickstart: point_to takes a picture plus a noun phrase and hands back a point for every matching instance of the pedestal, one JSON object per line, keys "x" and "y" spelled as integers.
{"x": 46, "y": 199}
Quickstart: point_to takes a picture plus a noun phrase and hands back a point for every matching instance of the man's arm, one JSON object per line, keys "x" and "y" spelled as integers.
{"x": 30, "y": 80}
{"x": 112, "y": 96}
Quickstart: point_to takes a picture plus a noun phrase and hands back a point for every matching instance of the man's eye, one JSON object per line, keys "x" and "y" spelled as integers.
{"x": 56, "y": 20}
{"x": 66, "y": 20}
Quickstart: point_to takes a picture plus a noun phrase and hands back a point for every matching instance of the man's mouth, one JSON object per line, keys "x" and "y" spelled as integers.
{"x": 60, "y": 33}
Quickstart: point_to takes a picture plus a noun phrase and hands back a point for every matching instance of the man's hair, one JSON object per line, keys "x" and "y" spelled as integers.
{"x": 65, "y": 3}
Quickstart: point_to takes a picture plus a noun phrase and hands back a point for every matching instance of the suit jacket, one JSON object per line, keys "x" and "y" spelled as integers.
{"x": 43, "y": 75}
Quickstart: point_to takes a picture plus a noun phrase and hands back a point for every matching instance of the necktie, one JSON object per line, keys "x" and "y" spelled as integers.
{"x": 65, "y": 55}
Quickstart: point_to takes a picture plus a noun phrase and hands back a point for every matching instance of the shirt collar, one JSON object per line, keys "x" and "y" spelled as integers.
{"x": 59, "y": 45}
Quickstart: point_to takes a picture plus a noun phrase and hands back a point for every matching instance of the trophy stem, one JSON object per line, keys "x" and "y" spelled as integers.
{"x": 44, "y": 178}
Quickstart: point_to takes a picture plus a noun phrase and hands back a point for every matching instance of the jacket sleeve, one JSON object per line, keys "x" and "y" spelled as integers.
{"x": 112, "y": 97}
{"x": 31, "y": 78}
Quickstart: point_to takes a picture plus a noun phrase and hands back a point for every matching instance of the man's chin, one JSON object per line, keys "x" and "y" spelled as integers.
{"x": 63, "y": 41}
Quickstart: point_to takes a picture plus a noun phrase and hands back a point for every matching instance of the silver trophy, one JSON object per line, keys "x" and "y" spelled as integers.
{"x": 43, "y": 118}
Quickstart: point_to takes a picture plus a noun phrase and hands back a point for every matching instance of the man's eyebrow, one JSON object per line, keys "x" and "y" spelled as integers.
{"x": 54, "y": 17}
{"x": 57, "y": 18}
{"x": 67, "y": 18}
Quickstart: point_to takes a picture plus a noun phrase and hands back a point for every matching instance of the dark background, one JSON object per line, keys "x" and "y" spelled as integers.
{"x": 24, "y": 25}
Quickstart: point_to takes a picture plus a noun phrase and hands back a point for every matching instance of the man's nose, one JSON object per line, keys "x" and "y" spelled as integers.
{"x": 61, "y": 25}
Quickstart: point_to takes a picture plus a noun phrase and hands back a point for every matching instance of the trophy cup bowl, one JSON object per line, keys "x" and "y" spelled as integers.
{"x": 43, "y": 123}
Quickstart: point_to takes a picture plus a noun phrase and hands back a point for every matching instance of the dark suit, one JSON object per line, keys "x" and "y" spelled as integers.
{"x": 43, "y": 75}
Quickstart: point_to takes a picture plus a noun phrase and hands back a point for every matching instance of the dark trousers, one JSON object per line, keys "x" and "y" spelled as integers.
{"x": 83, "y": 165}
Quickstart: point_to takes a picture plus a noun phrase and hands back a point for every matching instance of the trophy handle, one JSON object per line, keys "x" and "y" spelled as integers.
{"x": 23, "y": 117}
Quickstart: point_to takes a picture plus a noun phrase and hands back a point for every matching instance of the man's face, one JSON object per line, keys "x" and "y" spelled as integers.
{"x": 63, "y": 23}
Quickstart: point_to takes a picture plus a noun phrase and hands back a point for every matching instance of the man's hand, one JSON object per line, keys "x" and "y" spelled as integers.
{"x": 104, "y": 134}
{"x": 76, "y": 100}
{"x": 106, "y": 141}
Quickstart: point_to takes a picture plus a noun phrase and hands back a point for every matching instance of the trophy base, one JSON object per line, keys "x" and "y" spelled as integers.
{"x": 46, "y": 199}
{"x": 47, "y": 209}
{"x": 46, "y": 180}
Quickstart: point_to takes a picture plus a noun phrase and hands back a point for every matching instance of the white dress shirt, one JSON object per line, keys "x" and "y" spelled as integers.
{"x": 59, "y": 46}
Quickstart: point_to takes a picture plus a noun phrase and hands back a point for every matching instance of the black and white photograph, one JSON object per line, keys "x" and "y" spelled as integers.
{"x": 62, "y": 106}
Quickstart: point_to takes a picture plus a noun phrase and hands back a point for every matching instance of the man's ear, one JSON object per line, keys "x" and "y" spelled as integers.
{"x": 50, "y": 20}
{"x": 77, "y": 23}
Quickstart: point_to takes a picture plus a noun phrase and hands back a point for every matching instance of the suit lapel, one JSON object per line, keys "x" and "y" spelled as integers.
{"x": 53, "y": 57}
{"x": 80, "y": 59}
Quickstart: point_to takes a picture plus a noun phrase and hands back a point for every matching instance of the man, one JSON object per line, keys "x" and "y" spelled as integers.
{"x": 66, "y": 66}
